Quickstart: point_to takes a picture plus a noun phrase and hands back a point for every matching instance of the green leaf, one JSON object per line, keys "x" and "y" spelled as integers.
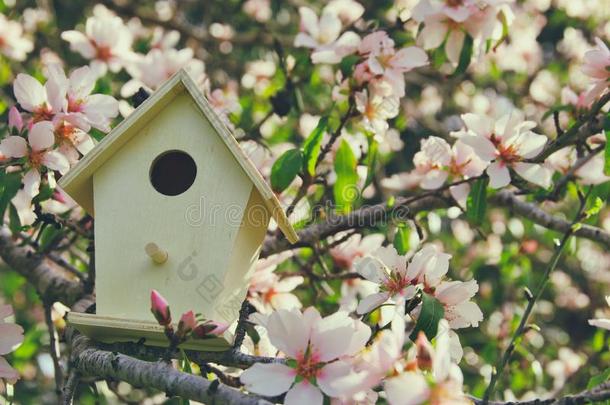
{"x": 476, "y": 204}
{"x": 185, "y": 364}
{"x": 432, "y": 312}
{"x": 371, "y": 161}
{"x": 9, "y": 185}
{"x": 345, "y": 189}
{"x": 285, "y": 169}
{"x": 504, "y": 21}
{"x": 401, "y": 239}
{"x": 48, "y": 235}
{"x": 599, "y": 379}
{"x": 14, "y": 221}
{"x": 465, "y": 56}
{"x": 598, "y": 204}
{"x": 311, "y": 147}
{"x": 607, "y": 155}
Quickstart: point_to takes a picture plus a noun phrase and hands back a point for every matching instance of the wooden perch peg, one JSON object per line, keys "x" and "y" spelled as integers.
{"x": 157, "y": 254}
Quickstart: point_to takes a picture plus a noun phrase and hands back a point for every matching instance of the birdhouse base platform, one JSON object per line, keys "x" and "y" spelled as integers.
{"x": 114, "y": 330}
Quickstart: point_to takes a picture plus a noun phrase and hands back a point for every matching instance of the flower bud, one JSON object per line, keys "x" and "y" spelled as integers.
{"x": 187, "y": 323}
{"x": 160, "y": 308}
{"x": 209, "y": 329}
{"x": 425, "y": 352}
{"x": 14, "y": 119}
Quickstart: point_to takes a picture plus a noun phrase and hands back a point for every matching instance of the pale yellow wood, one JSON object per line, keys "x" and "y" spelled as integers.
{"x": 198, "y": 228}
{"x": 244, "y": 256}
{"x": 269, "y": 197}
{"x": 77, "y": 183}
{"x": 157, "y": 255}
{"x": 113, "y": 330}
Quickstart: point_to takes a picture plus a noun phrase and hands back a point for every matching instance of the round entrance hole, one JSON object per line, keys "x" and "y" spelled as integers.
{"x": 173, "y": 172}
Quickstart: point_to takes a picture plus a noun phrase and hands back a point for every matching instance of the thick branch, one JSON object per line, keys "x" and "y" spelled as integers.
{"x": 52, "y": 282}
{"x": 599, "y": 393}
{"x": 535, "y": 214}
{"x": 160, "y": 375}
{"x": 405, "y": 207}
{"x": 360, "y": 218}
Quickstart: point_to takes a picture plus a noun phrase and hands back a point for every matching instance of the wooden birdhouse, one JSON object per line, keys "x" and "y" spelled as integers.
{"x": 178, "y": 208}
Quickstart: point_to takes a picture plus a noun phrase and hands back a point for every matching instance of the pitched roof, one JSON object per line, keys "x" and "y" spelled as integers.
{"x": 78, "y": 182}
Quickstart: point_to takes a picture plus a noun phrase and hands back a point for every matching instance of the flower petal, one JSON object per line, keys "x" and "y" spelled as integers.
{"x": 29, "y": 92}
{"x": 499, "y": 175}
{"x": 481, "y": 146}
{"x": 41, "y": 136}
{"x": 268, "y": 379}
{"x": 304, "y": 393}
{"x": 534, "y": 173}
{"x": 11, "y": 335}
{"x": 14, "y": 147}
{"x": 372, "y": 302}
{"x": 407, "y": 389}
{"x": 31, "y": 182}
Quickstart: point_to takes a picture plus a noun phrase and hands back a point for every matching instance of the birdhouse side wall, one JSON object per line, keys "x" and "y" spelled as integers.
{"x": 197, "y": 228}
{"x": 243, "y": 260}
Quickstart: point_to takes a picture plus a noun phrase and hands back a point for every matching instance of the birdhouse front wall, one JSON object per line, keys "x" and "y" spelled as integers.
{"x": 210, "y": 246}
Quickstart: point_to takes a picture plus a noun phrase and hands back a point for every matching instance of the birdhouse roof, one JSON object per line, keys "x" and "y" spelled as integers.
{"x": 78, "y": 182}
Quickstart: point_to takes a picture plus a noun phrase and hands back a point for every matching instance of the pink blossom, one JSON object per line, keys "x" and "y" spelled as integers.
{"x": 417, "y": 377}
{"x": 71, "y": 140}
{"x": 13, "y": 43}
{"x": 318, "y": 350}
{"x": 268, "y": 291}
{"x": 506, "y": 143}
{"x": 597, "y": 66}
{"x": 85, "y": 109}
{"x": 386, "y": 64}
{"x": 348, "y": 11}
{"x": 187, "y": 323}
{"x": 11, "y": 335}
{"x": 355, "y": 247}
{"x": 260, "y": 10}
{"x": 15, "y": 121}
{"x": 398, "y": 281}
{"x": 322, "y": 35}
{"x": 158, "y": 65}
{"x": 160, "y": 308}
{"x": 592, "y": 172}
{"x": 376, "y": 110}
{"x": 451, "y": 20}
{"x": 437, "y": 161}
{"x": 42, "y": 101}
{"x": 38, "y": 153}
{"x": 455, "y": 297}
{"x": 210, "y": 328}
{"x": 106, "y": 41}
{"x": 25, "y": 210}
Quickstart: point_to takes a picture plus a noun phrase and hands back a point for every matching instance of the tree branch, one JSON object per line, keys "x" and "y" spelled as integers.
{"x": 91, "y": 361}
{"x": 532, "y": 298}
{"x": 595, "y": 394}
{"x": 52, "y": 282}
{"x": 535, "y": 214}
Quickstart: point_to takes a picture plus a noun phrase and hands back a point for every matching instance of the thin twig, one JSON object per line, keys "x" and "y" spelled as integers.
{"x": 532, "y": 298}
{"x": 54, "y": 347}
{"x": 69, "y": 388}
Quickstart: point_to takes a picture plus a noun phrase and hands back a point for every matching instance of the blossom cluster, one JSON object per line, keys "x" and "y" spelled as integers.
{"x": 109, "y": 44}
{"x": 52, "y": 133}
